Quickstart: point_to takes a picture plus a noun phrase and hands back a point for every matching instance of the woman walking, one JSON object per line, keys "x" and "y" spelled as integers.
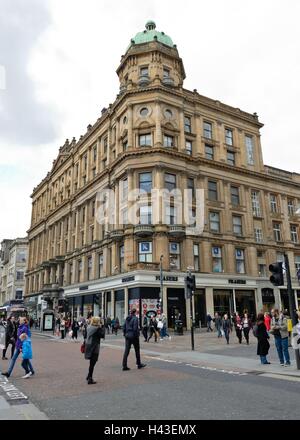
{"x": 263, "y": 345}
{"x": 267, "y": 321}
{"x": 62, "y": 328}
{"x": 153, "y": 329}
{"x": 238, "y": 327}
{"x": 247, "y": 325}
{"x": 95, "y": 332}
{"x": 75, "y": 328}
{"x": 226, "y": 326}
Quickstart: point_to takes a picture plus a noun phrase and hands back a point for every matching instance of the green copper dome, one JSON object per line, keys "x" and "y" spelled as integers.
{"x": 150, "y": 34}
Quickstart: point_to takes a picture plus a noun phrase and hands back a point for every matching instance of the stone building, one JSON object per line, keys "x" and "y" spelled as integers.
{"x": 159, "y": 135}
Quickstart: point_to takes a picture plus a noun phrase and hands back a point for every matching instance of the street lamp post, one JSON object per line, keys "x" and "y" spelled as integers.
{"x": 161, "y": 293}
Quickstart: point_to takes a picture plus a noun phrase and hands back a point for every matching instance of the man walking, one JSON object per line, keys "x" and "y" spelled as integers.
{"x": 131, "y": 333}
{"x": 218, "y": 324}
{"x": 209, "y": 320}
{"x": 10, "y": 336}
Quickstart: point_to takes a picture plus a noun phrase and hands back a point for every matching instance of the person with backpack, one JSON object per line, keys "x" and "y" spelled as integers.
{"x": 263, "y": 345}
{"x": 26, "y": 355}
{"x": 95, "y": 332}
{"x": 279, "y": 329}
{"x": 131, "y": 333}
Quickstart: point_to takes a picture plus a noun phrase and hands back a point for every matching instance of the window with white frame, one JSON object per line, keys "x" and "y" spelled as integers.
{"x": 214, "y": 221}
{"x": 212, "y": 190}
{"x": 196, "y": 257}
{"x": 294, "y": 233}
{"x": 258, "y": 235}
{"x": 145, "y": 252}
{"x": 170, "y": 181}
{"x": 237, "y": 225}
{"x": 235, "y": 195}
{"x": 277, "y": 231}
{"x": 291, "y": 207}
{"x": 255, "y": 203}
{"x": 145, "y": 182}
{"x": 187, "y": 124}
{"x": 145, "y": 140}
{"x": 217, "y": 265}
{"x": 240, "y": 260}
{"x": 209, "y": 152}
{"x": 124, "y": 189}
{"x": 207, "y": 130}
{"x": 249, "y": 150}
{"x": 228, "y": 136}
{"x": 146, "y": 215}
{"x": 174, "y": 250}
{"x": 169, "y": 141}
{"x": 230, "y": 157}
{"x": 189, "y": 147}
{"x": 273, "y": 203}
{"x": 171, "y": 215}
{"x": 262, "y": 270}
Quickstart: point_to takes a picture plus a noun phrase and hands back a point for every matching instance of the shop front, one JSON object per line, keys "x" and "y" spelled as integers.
{"x": 268, "y": 299}
{"x": 143, "y": 299}
{"x": 223, "y": 301}
{"x": 284, "y": 296}
{"x": 120, "y": 306}
{"x": 176, "y": 307}
{"x": 200, "y": 308}
{"x": 245, "y": 302}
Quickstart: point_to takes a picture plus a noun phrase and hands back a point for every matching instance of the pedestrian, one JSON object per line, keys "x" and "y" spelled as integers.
{"x": 116, "y": 326}
{"x": 75, "y": 328}
{"x": 267, "y": 321}
{"x": 108, "y": 324}
{"x": 260, "y": 332}
{"x": 226, "y": 326}
{"x": 10, "y": 336}
{"x": 145, "y": 328}
{"x": 95, "y": 332}
{"x": 208, "y": 321}
{"x": 131, "y": 333}
{"x": 246, "y": 325}
{"x": 153, "y": 329}
{"x": 238, "y": 327}
{"x": 165, "y": 327}
{"x": 62, "y": 328}
{"x": 218, "y": 324}
{"x": 26, "y": 355}
{"x": 23, "y": 328}
{"x": 280, "y": 332}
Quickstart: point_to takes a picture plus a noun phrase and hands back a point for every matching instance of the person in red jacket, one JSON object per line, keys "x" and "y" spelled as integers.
{"x": 267, "y": 320}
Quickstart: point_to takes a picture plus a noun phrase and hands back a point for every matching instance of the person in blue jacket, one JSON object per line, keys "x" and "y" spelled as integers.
{"x": 26, "y": 354}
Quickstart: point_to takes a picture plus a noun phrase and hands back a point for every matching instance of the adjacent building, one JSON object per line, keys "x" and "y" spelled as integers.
{"x": 158, "y": 135}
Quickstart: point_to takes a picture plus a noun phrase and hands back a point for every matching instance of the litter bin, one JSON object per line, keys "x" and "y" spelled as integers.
{"x": 178, "y": 327}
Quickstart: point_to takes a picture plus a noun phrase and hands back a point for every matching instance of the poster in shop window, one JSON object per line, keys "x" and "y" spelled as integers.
{"x": 150, "y": 304}
{"x": 135, "y": 304}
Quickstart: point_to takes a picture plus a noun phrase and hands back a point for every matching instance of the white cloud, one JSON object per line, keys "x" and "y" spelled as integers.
{"x": 242, "y": 53}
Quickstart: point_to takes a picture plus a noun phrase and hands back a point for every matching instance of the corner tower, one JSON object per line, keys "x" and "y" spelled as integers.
{"x": 151, "y": 59}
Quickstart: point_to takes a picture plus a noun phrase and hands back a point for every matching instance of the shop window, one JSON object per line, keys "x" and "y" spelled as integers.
{"x": 240, "y": 261}
{"x": 217, "y": 259}
{"x": 174, "y": 250}
{"x": 145, "y": 252}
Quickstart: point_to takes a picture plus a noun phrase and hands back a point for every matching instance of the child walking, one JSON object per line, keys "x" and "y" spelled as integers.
{"x": 26, "y": 354}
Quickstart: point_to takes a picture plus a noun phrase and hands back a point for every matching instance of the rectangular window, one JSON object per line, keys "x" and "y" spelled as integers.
{"x": 124, "y": 189}
{"x": 71, "y": 272}
{"x": 209, "y": 152}
{"x": 228, "y": 136}
{"x": 273, "y": 203}
{"x": 166, "y": 73}
{"x": 79, "y": 270}
{"x": 122, "y": 257}
{"x": 144, "y": 71}
{"x": 214, "y": 221}
{"x": 105, "y": 144}
{"x": 189, "y": 147}
{"x": 90, "y": 265}
{"x": 212, "y": 190}
{"x": 231, "y": 158}
{"x": 207, "y": 130}
{"x": 20, "y": 275}
{"x": 174, "y": 250}
{"x": 145, "y": 182}
{"x": 277, "y": 231}
{"x": 100, "y": 265}
{"x": 91, "y": 234}
{"x": 191, "y": 186}
{"x": 124, "y": 216}
{"x": 170, "y": 181}
{"x": 145, "y": 140}
{"x": 235, "y": 195}
{"x": 145, "y": 252}
{"x": 146, "y": 215}
{"x": 240, "y": 260}
{"x": 95, "y": 154}
{"x": 171, "y": 215}
{"x": 294, "y": 233}
{"x": 255, "y": 203}
{"x": 237, "y": 225}
{"x": 217, "y": 259}
{"x": 291, "y": 207}
{"x": 258, "y": 235}
{"x": 83, "y": 214}
{"x": 297, "y": 262}
{"x": 169, "y": 141}
{"x": 249, "y": 150}
{"x": 93, "y": 208}
{"x": 125, "y": 145}
{"x": 262, "y": 270}
{"x": 196, "y": 258}
{"x": 21, "y": 257}
{"x": 187, "y": 124}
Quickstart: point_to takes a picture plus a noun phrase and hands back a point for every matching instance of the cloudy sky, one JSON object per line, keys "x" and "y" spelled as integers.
{"x": 57, "y": 71}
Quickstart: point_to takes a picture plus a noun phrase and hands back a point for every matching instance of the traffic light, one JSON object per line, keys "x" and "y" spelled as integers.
{"x": 190, "y": 285}
{"x": 277, "y": 274}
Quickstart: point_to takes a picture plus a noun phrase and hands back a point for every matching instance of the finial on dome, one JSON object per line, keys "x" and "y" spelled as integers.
{"x": 150, "y": 25}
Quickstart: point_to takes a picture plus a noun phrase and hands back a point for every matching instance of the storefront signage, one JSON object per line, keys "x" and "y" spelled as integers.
{"x": 128, "y": 279}
{"x": 84, "y": 288}
{"x": 237, "y": 281}
{"x": 166, "y": 278}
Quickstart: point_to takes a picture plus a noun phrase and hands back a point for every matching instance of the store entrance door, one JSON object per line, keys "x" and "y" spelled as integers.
{"x": 176, "y": 307}
{"x": 200, "y": 308}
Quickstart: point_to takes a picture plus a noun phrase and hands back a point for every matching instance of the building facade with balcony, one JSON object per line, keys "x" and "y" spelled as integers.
{"x": 157, "y": 135}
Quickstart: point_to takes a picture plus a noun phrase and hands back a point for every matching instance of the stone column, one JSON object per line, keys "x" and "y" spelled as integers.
{"x": 126, "y": 301}
{"x": 209, "y": 298}
{"x": 205, "y": 257}
{"x": 229, "y": 258}
{"x": 198, "y": 143}
{"x": 252, "y": 261}
{"x": 112, "y": 296}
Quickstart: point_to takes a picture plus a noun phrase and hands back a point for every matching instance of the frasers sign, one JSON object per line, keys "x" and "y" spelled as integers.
{"x": 167, "y": 278}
